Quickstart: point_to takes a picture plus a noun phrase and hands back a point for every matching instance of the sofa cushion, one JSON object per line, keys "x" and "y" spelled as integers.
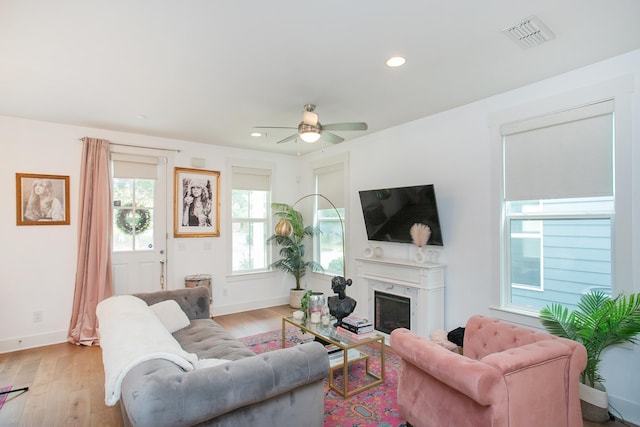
{"x": 209, "y": 340}
{"x": 171, "y": 315}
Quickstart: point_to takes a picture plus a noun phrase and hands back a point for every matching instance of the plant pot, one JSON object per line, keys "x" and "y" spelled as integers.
{"x": 295, "y": 296}
{"x": 594, "y": 403}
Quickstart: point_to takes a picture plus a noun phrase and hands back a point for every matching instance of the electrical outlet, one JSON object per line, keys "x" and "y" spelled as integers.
{"x": 37, "y": 316}
{"x": 225, "y": 292}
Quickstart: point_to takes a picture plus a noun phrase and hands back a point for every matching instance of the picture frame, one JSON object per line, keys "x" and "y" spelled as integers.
{"x": 42, "y": 199}
{"x": 196, "y": 200}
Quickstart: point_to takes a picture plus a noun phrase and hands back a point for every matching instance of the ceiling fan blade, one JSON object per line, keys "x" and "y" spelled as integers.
{"x": 331, "y": 137}
{"x": 287, "y": 139}
{"x": 346, "y": 126}
{"x": 274, "y": 127}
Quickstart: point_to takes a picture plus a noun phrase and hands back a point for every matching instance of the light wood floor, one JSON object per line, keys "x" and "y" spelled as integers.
{"x": 66, "y": 382}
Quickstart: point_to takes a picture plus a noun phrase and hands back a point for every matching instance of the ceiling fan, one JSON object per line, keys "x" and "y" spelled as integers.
{"x": 310, "y": 130}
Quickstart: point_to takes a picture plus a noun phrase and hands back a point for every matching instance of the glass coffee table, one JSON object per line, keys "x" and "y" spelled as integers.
{"x": 345, "y": 350}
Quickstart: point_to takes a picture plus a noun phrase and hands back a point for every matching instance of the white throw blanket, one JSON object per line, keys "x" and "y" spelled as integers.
{"x": 130, "y": 333}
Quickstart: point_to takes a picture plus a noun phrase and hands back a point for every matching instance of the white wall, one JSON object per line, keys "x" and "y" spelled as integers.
{"x": 453, "y": 150}
{"x": 38, "y": 263}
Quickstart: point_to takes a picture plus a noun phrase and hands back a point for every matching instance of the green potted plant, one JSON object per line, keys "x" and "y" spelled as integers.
{"x": 598, "y": 322}
{"x": 290, "y": 234}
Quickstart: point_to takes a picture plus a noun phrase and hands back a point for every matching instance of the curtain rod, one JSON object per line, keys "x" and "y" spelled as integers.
{"x": 141, "y": 146}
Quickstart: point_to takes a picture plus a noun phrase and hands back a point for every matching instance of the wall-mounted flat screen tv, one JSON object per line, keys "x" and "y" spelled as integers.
{"x": 389, "y": 213}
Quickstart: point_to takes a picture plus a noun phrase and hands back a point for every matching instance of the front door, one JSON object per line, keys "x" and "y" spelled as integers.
{"x": 139, "y": 223}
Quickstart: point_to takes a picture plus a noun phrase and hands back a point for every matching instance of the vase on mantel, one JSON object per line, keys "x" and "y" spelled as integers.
{"x": 420, "y": 257}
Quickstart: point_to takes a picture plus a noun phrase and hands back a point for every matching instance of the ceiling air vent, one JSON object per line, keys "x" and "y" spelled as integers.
{"x": 530, "y": 32}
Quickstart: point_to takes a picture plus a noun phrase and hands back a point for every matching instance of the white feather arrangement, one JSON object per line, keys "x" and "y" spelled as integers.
{"x": 420, "y": 234}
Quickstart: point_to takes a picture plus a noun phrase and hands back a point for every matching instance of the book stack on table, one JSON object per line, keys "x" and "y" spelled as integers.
{"x": 356, "y": 327}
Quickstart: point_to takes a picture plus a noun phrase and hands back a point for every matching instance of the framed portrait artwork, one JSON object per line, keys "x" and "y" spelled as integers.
{"x": 42, "y": 199}
{"x": 196, "y": 202}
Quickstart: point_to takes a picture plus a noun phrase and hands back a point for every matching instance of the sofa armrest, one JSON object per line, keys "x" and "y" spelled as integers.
{"x": 517, "y": 358}
{"x": 188, "y": 398}
{"x": 477, "y": 380}
{"x": 194, "y": 301}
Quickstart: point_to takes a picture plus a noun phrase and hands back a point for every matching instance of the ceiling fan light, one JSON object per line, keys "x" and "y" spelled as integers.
{"x": 309, "y": 133}
{"x": 310, "y": 136}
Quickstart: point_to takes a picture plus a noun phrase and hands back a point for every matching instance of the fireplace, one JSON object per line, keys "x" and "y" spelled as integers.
{"x": 391, "y": 312}
{"x": 403, "y": 295}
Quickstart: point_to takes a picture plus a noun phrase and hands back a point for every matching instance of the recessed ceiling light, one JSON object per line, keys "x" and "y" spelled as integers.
{"x": 256, "y": 134}
{"x": 141, "y": 117}
{"x": 395, "y": 61}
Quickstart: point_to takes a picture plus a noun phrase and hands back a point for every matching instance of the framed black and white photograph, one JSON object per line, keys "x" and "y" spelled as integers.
{"x": 42, "y": 199}
{"x": 196, "y": 202}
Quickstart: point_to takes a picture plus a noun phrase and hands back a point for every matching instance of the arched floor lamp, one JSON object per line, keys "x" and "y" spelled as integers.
{"x": 340, "y": 305}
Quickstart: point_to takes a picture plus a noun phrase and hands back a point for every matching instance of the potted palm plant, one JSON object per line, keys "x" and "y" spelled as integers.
{"x": 598, "y": 322}
{"x": 290, "y": 234}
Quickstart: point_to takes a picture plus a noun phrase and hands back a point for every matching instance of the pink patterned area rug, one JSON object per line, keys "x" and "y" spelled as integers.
{"x": 375, "y": 407}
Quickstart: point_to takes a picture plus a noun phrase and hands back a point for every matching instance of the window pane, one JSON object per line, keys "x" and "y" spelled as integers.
{"x": 121, "y": 241}
{"x": 239, "y": 204}
{"x": 144, "y": 239}
{"x": 330, "y": 241}
{"x": 526, "y": 254}
{"x": 574, "y": 256}
{"x": 249, "y": 246}
{"x": 122, "y": 192}
{"x": 258, "y": 204}
{"x": 592, "y": 205}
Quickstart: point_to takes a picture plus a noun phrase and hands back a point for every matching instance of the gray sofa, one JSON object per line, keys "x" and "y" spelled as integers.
{"x": 279, "y": 388}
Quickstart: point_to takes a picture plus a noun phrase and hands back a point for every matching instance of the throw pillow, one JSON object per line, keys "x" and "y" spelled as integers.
{"x": 171, "y": 315}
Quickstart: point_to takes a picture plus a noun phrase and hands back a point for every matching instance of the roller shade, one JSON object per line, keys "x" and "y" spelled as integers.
{"x": 251, "y": 179}
{"x": 562, "y": 155}
{"x": 132, "y": 166}
{"x": 330, "y": 183}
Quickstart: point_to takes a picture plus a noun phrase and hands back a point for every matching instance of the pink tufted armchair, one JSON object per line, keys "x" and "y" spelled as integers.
{"x": 509, "y": 376}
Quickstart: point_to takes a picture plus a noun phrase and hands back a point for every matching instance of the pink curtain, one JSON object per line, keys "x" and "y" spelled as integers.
{"x": 93, "y": 274}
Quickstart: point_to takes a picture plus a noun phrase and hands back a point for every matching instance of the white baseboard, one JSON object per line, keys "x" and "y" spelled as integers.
{"x": 23, "y": 343}
{"x": 238, "y": 308}
{"x": 622, "y": 408}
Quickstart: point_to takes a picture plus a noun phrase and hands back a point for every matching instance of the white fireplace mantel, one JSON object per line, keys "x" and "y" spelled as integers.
{"x": 422, "y": 283}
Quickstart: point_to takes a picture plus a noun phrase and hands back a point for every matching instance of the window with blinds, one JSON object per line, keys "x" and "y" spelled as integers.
{"x": 558, "y": 206}
{"x": 250, "y": 200}
{"x": 329, "y": 245}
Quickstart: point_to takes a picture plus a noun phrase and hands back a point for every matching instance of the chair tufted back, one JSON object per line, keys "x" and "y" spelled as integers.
{"x": 486, "y": 335}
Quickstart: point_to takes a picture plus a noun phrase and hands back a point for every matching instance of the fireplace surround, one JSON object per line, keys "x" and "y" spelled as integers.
{"x": 413, "y": 293}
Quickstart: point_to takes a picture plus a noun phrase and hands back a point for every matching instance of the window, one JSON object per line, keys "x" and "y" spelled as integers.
{"x": 558, "y": 207}
{"x": 328, "y": 245}
{"x": 134, "y": 180}
{"x": 250, "y": 200}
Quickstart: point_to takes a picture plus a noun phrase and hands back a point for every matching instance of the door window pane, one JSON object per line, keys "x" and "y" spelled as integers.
{"x": 133, "y": 214}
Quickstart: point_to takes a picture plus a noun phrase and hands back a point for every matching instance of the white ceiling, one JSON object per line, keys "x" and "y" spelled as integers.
{"x": 210, "y": 70}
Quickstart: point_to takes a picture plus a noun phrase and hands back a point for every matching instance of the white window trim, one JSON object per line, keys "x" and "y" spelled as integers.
{"x": 620, "y": 90}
